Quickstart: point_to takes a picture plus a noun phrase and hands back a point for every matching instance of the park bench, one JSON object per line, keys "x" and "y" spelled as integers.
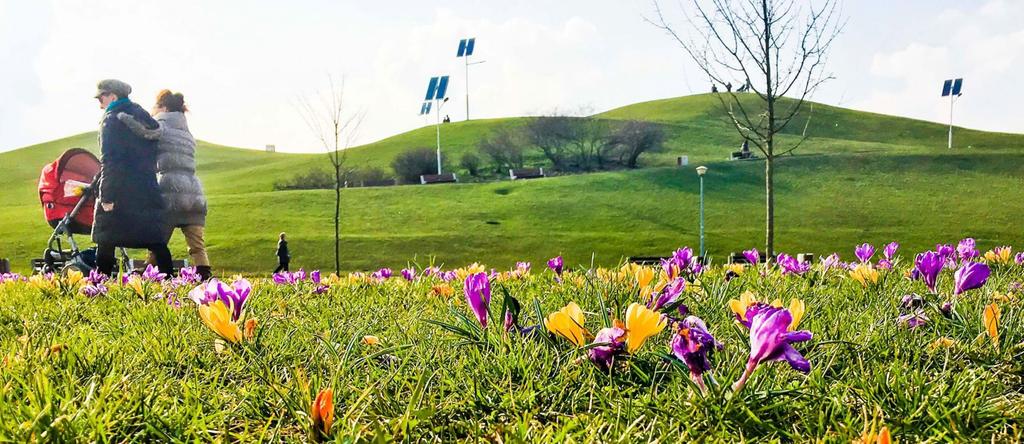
{"x": 742, "y": 155}
{"x": 428, "y": 179}
{"x": 525, "y": 173}
{"x": 656, "y": 260}
{"x": 805, "y": 258}
{"x": 5, "y": 266}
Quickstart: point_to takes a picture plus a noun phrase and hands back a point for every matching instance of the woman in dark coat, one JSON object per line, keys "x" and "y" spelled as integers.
{"x": 130, "y": 210}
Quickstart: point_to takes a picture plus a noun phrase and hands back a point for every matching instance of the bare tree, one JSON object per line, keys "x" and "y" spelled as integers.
{"x": 325, "y": 115}
{"x": 778, "y": 48}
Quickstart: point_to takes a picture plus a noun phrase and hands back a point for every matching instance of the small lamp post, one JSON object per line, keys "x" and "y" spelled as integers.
{"x": 700, "y": 173}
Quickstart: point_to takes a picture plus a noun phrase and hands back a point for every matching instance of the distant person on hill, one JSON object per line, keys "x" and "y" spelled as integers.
{"x": 283, "y": 256}
{"x": 714, "y": 88}
{"x": 176, "y": 174}
{"x": 131, "y": 210}
{"x": 728, "y": 87}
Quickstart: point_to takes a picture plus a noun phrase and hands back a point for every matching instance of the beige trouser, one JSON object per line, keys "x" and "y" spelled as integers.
{"x": 196, "y": 246}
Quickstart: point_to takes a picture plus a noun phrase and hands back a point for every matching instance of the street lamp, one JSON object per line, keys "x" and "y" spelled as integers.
{"x": 700, "y": 173}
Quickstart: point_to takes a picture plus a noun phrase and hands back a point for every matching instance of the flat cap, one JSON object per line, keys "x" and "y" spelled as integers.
{"x": 113, "y": 86}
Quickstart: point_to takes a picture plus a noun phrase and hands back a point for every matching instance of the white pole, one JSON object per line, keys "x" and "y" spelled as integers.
{"x": 951, "y": 121}
{"x": 438, "y": 126}
{"x": 467, "y": 87}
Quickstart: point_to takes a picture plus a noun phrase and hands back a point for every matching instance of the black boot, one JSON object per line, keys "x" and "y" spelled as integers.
{"x": 204, "y": 272}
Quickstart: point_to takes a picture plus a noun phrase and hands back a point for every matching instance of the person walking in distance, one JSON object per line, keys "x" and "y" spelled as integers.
{"x": 283, "y": 256}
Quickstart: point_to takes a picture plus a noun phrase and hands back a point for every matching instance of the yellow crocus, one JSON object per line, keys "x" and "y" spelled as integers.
{"x": 991, "y": 320}
{"x": 641, "y": 323}
{"x": 474, "y": 268}
{"x": 644, "y": 276}
{"x": 865, "y": 274}
{"x": 443, "y": 290}
{"x": 370, "y": 340}
{"x": 40, "y": 281}
{"x": 797, "y": 309}
{"x": 73, "y": 278}
{"x": 999, "y": 255}
{"x": 735, "y": 268}
{"x": 942, "y": 342}
{"x": 217, "y": 317}
{"x": 135, "y": 283}
{"x": 568, "y": 323}
{"x": 739, "y": 306}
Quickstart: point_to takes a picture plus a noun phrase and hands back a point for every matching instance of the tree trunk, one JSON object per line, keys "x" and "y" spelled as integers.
{"x": 337, "y": 218}
{"x": 769, "y": 187}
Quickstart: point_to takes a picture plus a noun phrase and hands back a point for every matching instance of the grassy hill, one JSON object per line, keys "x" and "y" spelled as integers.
{"x": 860, "y": 177}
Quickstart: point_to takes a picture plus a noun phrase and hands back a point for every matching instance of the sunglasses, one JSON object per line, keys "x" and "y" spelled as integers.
{"x": 101, "y": 96}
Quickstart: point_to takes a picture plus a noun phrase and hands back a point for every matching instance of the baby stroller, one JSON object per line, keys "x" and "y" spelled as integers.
{"x": 68, "y": 199}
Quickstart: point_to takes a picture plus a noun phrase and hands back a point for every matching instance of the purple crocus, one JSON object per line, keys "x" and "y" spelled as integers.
{"x": 967, "y": 249}
{"x": 478, "y": 295}
{"x": 283, "y": 278}
{"x": 152, "y": 274}
{"x": 409, "y": 274}
{"x": 430, "y": 271}
{"x": 753, "y": 256}
{"x": 1019, "y": 258}
{"x": 911, "y": 301}
{"x": 944, "y": 250}
{"x": 234, "y": 296}
{"x": 947, "y": 309}
{"x": 383, "y": 274}
{"x": 889, "y": 252}
{"x": 314, "y": 277}
{"x": 691, "y": 344}
{"x": 927, "y": 267}
{"x": 189, "y": 275}
{"x": 94, "y": 289}
{"x": 864, "y": 252}
{"x": 829, "y": 262}
{"x": 790, "y": 265}
{"x": 913, "y": 319}
{"x": 555, "y": 264}
{"x": 522, "y": 268}
{"x": 969, "y": 276}
{"x": 613, "y": 340}
{"x": 448, "y": 276}
{"x": 770, "y": 340}
{"x": 667, "y": 295}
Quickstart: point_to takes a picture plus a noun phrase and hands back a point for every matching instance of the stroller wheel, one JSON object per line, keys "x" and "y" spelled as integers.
{"x": 77, "y": 266}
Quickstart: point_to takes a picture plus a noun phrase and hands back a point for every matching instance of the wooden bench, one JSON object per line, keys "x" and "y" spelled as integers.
{"x": 646, "y": 260}
{"x": 526, "y": 173}
{"x": 428, "y": 179}
{"x": 740, "y": 155}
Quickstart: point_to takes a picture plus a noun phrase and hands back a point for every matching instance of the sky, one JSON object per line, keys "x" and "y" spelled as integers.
{"x": 243, "y": 66}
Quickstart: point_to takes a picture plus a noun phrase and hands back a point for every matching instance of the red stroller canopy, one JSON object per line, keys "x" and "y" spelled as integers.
{"x": 60, "y": 188}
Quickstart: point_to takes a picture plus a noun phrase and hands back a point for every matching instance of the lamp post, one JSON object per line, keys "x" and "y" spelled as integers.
{"x": 440, "y": 104}
{"x": 700, "y": 173}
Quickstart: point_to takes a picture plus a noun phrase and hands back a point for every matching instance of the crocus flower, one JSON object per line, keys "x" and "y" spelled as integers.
{"x": 641, "y": 323}
{"x": 691, "y": 344}
{"x": 865, "y": 274}
{"x": 790, "y": 265}
{"x": 927, "y": 266}
{"x": 478, "y": 294}
{"x": 945, "y": 250}
{"x": 448, "y": 276}
{"x": 739, "y": 306}
{"x": 913, "y": 319}
{"x": 93, "y": 290}
{"x": 189, "y": 275}
{"x": 864, "y": 252}
{"x": 1019, "y": 258}
{"x": 668, "y": 295}
{"x": 568, "y": 323}
{"x": 314, "y": 277}
{"x": 770, "y": 340}
{"x": 382, "y": 275}
{"x": 752, "y": 256}
{"x": 889, "y": 252}
{"x": 555, "y": 264}
{"x": 612, "y": 340}
{"x": 911, "y": 301}
{"x": 999, "y": 255}
{"x": 522, "y": 269}
{"x": 971, "y": 275}
{"x": 990, "y": 318}
{"x": 829, "y": 262}
{"x": 966, "y": 249}
{"x": 217, "y": 317}
{"x": 409, "y": 274}
{"x": 153, "y": 274}
{"x": 233, "y": 297}
{"x": 947, "y": 309}
{"x": 322, "y": 413}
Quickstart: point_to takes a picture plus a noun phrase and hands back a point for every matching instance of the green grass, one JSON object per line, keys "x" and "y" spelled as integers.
{"x": 126, "y": 368}
{"x": 860, "y": 177}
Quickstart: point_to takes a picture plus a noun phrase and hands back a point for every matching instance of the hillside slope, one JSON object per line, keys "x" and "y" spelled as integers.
{"x": 860, "y": 177}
